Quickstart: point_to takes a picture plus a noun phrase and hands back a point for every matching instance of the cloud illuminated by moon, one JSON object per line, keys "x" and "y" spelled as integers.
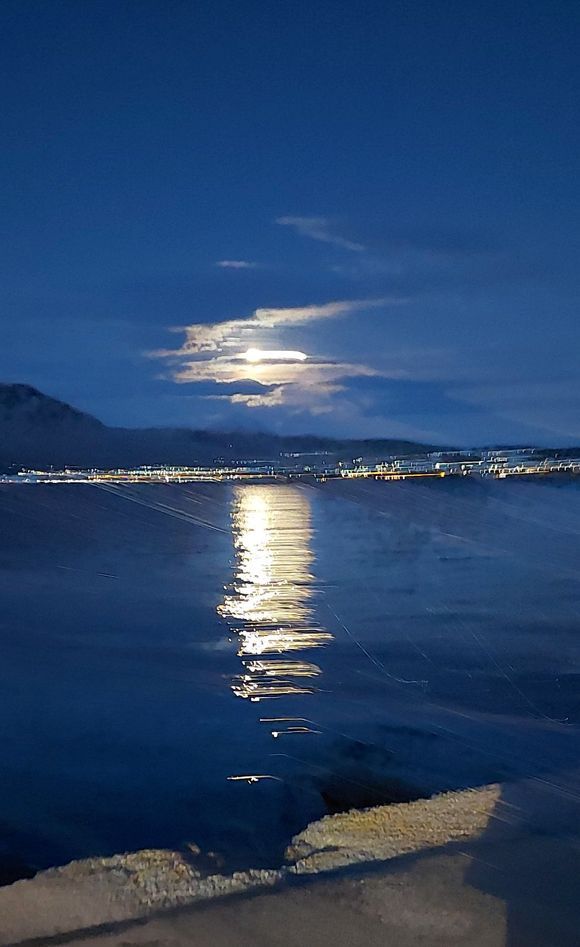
{"x": 229, "y": 355}
{"x": 205, "y": 338}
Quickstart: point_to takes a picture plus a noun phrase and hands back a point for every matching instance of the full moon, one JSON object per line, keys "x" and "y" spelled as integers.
{"x": 261, "y": 355}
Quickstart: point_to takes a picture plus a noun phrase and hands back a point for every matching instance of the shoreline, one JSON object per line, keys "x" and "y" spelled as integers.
{"x": 89, "y": 894}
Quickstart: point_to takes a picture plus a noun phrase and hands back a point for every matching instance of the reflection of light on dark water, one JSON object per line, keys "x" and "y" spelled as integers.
{"x": 270, "y": 603}
{"x": 473, "y": 588}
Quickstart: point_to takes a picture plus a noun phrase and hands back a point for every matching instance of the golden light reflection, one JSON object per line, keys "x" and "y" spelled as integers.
{"x": 270, "y": 604}
{"x": 277, "y": 668}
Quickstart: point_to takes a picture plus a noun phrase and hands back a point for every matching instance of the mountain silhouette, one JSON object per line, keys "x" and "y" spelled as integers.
{"x": 37, "y": 430}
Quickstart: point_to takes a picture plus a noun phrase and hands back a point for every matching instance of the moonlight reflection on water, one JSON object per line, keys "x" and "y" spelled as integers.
{"x": 113, "y": 655}
{"x": 270, "y": 603}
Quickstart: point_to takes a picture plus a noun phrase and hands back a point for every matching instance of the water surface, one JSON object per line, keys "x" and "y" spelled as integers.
{"x": 221, "y": 664}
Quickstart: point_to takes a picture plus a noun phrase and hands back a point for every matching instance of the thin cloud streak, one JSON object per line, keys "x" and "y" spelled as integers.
{"x": 319, "y": 228}
{"x": 226, "y": 369}
{"x": 236, "y": 264}
{"x": 314, "y": 397}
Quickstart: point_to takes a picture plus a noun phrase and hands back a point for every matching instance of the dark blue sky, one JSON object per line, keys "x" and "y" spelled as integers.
{"x": 171, "y": 164}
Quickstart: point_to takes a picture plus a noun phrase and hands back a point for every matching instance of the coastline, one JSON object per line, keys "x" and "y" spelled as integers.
{"x": 87, "y": 895}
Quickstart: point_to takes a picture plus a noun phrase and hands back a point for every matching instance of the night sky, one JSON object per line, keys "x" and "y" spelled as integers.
{"x": 196, "y": 195}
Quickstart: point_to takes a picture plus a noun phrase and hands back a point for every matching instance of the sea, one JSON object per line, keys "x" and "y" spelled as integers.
{"x": 216, "y": 665}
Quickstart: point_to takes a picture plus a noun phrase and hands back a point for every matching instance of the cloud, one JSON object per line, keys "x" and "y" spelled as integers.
{"x": 270, "y": 399}
{"x": 225, "y": 369}
{"x": 415, "y": 260}
{"x": 236, "y": 264}
{"x": 319, "y": 228}
{"x": 206, "y": 337}
{"x": 217, "y": 353}
{"x": 315, "y": 398}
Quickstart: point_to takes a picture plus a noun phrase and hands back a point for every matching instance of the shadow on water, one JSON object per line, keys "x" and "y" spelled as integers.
{"x": 529, "y": 859}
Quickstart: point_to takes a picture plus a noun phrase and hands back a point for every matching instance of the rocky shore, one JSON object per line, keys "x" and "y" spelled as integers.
{"x": 86, "y": 895}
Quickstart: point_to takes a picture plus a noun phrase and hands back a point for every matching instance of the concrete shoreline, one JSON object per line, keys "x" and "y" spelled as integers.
{"x": 495, "y": 866}
{"x": 89, "y": 894}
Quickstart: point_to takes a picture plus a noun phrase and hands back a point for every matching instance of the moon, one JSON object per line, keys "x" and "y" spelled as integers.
{"x": 280, "y": 355}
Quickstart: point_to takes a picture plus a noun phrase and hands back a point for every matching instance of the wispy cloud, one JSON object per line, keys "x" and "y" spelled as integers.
{"x": 227, "y": 369}
{"x": 236, "y": 264}
{"x": 320, "y": 228}
{"x": 219, "y": 353}
{"x": 204, "y": 337}
{"x": 308, "y": 389}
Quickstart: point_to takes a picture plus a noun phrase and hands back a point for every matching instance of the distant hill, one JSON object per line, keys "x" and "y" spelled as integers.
{"x": 36, "y": 429}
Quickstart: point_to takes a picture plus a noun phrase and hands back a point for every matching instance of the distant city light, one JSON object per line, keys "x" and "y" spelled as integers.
{"x": 322, "y": 466}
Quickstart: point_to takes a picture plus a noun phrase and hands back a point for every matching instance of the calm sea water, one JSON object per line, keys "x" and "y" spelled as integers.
{"x": 222, "y": 664}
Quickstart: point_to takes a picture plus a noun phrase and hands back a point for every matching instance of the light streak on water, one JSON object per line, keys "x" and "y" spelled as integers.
{"x": 270, "y": 604}
{"x": 253, "y": 778}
